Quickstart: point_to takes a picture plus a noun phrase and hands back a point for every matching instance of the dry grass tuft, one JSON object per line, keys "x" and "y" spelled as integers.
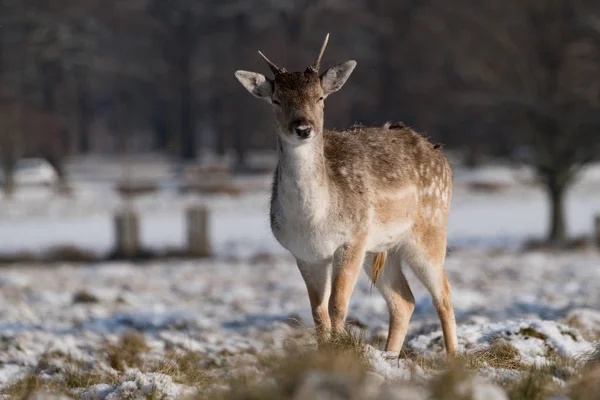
{"x": 352, "y": 341}
{"x": 72, "y": 374}
{"x": 452, "y": 383}
{"x": 336, "y": 370}
{"x": 127, "y": 352}
{"x": 69, "y": 254}
{"x": 76, "y": 377}
{"x": 83, "y": 296}
{"x": 586, "y": 387}
{"x": 186, "y": 368}
{"x": 23, "y": 388}
{"x": 534, "y": 384}
{"x": 529, "y": 331}
{"x": 593, "y": 358}
{"x": 499, "y": 354}
{"x": 56, "y": 254}
{"x": 19, "y": 257}
{"x": 132, "y": 189}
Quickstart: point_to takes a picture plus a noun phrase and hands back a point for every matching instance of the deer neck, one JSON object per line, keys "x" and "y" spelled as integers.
{"x": 302, "y": 182}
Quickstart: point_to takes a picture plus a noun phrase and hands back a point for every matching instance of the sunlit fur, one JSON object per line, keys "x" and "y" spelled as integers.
{"x": 376, "y": 197}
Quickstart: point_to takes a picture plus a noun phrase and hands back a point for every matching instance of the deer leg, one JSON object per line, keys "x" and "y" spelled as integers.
{"x": 427, "y": 261}
{"x": 346, "y": 266}
{"x": 317, "y": 278}
{"x": 394, "y": 288}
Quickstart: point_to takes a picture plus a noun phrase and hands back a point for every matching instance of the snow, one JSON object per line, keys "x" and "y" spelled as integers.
{"x": 243, "y": 308}
{"x": 241, "y": 304}
{"x": 535, "y": 340}
{"x": 390, "y": 367}
{"x": 137, "y": 385}
{"x": 587, "y": 320}
{"x": 36, "y": 220}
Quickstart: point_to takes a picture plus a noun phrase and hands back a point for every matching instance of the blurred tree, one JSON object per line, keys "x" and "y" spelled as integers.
{"x": 534, "y": 66}
{"x": 184, "y": 23}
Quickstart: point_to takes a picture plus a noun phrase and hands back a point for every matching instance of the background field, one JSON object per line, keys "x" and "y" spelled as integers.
{"x": 228, "y": 312}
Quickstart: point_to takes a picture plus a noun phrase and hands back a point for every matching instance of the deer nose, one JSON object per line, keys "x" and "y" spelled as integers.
{"x": 303, "y": 131}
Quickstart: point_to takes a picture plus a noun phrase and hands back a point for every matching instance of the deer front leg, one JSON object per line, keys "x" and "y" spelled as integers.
{"x": 317, "y": 278}
{"x": 347, "y": 263}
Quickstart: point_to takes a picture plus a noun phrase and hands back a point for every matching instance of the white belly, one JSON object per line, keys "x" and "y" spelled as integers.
{"x": 310, "y": 244}
{"x": 383, "y": 237}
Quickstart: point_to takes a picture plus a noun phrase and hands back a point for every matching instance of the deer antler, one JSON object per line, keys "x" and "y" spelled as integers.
{"x": 317, "y": 64}
{"x": 276, "y": 70}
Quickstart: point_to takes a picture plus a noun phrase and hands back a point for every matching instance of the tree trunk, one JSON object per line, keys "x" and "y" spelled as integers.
{"x": 188, "y": 131}
{"x": 84, "y": 116}
{"x": 188, "y": 141}
{"x": 8, "y": 170}
{"x": 218, "y": 119}
{"x": 557, "y": 234}
{"x": 240, "y": 149}
{"x": 159, "y": 124}
{"x": 55, "y": 150}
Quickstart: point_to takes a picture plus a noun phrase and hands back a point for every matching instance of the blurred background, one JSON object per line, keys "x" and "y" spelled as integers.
{"x": 132, "y": 105}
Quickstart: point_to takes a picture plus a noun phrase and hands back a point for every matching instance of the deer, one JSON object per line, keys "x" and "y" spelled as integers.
{"x": 370, "y": 197}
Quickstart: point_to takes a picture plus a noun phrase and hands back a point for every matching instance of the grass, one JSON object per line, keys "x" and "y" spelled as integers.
{"x": 186, "y": 368}
{"x": 126, "y": 353}
{"x": 339, "y": 369}
{"x": 24, "y": 388}
{"x": 586, "y": 387}
{"x": 342, "y": 364}
{"x": 533, "y": 384}
{"x": 530, "y": 332}
{"x": 74, "y": 254}
{"x": 500, "y": 354}
{"x": 73, "y": 374}
{"x": 449, "y": 384}
{"x": 83, "y": 296}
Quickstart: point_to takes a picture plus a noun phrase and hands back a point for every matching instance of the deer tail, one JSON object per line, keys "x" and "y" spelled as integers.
{"x": 378, "y": 264}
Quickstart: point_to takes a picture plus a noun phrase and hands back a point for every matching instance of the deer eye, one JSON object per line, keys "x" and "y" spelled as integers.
{"x": 320, "y": 99}
{"x": 276, "y": 102}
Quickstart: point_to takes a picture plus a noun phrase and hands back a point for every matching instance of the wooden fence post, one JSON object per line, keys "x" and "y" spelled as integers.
{"x": 197, "y": 232}
{"x": 127, "y": 234}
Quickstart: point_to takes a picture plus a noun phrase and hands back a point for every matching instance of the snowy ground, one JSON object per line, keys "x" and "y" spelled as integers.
{"x": 516, "y": 211}
{"x": 246, "y": 308}
{"x": 250, "y": 298}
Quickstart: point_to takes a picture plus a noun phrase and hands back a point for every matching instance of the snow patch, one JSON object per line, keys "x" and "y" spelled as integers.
{"x": 535, "y": 340}
{"x": 136, "y": 384}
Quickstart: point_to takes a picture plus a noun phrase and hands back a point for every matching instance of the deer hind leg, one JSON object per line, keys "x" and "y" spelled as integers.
{"x": 317, "y": 278}
{"x": 347, "y": 263}
{"x": 426, "y": 258}
{"x": 394, "y": 288}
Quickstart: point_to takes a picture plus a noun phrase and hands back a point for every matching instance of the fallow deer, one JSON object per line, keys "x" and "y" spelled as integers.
{"x": 377, "y": 196}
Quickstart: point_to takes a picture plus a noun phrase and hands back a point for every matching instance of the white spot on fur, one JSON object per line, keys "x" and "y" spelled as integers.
{"x": 427, "y": 212}
{"x": 437, "y": 215}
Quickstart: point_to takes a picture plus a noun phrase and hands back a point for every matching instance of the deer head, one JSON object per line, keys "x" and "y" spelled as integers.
{"x": 297, "y": 97}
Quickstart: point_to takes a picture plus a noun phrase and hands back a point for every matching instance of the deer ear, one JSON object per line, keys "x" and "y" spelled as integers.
{"x": 334, "y": 78}
{"x": 257, "y": 84}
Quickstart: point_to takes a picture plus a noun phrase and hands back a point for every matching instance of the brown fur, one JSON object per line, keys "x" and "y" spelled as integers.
{"x": 337, "y": 197}
{"x": 350, "y": 258}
